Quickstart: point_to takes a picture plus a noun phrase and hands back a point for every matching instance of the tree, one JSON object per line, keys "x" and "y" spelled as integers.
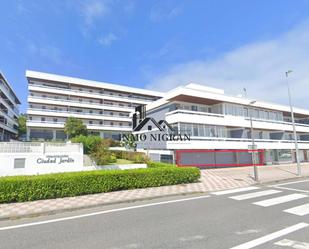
{"x": 128, "y": 141}
{"x": 22, "y": 128}
{"x": 74, "y": 127}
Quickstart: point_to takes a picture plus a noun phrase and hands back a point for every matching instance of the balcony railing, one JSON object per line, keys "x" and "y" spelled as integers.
{"x": 258, "y": 140}
{"x": 87, "y": 124}
{"x": 83, "y": 102}
{"x": 74, "y": 112}
{"x": 222, "y": 116}
{"x": 93, "y": 93}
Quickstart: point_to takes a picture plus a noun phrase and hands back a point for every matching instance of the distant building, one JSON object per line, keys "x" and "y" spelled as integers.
{"x": 8, "y": 110}
{"x": 103, "y": 107}
{"x": 219, "y": 128}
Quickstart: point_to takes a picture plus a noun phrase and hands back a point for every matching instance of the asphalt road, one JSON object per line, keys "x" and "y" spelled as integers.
{"x": 262, "y": 217}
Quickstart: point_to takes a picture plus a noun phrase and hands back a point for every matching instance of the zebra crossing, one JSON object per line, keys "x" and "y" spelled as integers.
{"x": 293, "y": 201}
{"x": 250, "y": 193}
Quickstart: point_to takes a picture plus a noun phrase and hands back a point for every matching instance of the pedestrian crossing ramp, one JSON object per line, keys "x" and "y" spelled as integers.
{"x": 270, "y": 197}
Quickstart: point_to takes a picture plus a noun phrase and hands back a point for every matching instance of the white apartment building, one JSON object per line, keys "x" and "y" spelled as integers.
{"x": 8, "y": 110}
{"x": 103, "y": 107}
{"x": 220, "y": 130}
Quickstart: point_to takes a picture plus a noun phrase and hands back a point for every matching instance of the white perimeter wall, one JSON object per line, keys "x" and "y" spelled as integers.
{"x": 39, "y": 158}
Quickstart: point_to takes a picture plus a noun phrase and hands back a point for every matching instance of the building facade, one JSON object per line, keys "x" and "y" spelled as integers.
{"x": 105, "y": 108}
{"x": 9, "y": 111}
{"x": 220, "y": 129}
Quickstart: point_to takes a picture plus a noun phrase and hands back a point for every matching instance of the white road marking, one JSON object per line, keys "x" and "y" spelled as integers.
{"x": 192, "y": 238}
{"x": 255, "y": 194}
{"x": 235, "y": 190}
{"x": 299, "y": 210}
{"x": 101, "y": 212}
{"x": 272, "y": 236}
{"x": 292, "y": 189}
{"x": 248, "y": 232}
{"x": 292, "y": 244}
{"x": 279, "y": 200}
{"x": 288, "y": 183}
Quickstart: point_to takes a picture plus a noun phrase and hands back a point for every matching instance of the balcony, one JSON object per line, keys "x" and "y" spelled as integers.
{"x": 234, "y": 143}
{"x": 58, "y": 124}
{"x": 139, "y": 100}
{"x": 75, "y": 103}
{"x": 185, "y": 116}
{"x": 83, "y": 115}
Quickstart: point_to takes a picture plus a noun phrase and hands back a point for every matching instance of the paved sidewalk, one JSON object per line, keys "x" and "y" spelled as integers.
{"x": 211, "y": 180}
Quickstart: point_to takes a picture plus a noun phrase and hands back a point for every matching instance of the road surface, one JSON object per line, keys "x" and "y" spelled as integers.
{"x": 268, "y": 217}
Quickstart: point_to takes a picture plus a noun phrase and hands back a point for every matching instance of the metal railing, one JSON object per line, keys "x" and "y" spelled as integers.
{"x": 74, "y": 112}
{"x": 222, "y": 115}
{"x": 83, "y": 102}
{"x": 20, "y": 147}
{"x": 93, "y": 93}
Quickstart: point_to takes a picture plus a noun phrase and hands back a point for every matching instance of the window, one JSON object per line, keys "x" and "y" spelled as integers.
{"x": 90, "y": 122}
{"x": 55, "y": 120}
{"x": 149, "y": 127}
{"x": 43, "y": 119}
{"x": 195, "y": 130}
{"x": 194, "y": 108}
{"x": 101, "y": 122}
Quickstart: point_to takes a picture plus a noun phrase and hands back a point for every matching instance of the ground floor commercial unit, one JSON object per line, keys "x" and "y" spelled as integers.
{"x": 207, "y": 158}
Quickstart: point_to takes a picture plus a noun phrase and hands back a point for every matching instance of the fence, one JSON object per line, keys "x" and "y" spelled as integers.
{"x": 18, "y": 147}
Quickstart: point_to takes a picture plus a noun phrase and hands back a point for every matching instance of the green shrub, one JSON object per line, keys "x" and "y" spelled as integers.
{"x": 90, "y": 143}
{"x": 152, "y": 164}
{"x": 103, "y": 156}
{"x": 29, "y": 188}
{"x": 136, "y": 157}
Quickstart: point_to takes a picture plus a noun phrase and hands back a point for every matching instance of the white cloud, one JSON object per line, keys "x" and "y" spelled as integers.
{"x": 94, "y": 9}
{"x": 47, "y": 52}
{"x": 260, "y": 67}
{"x": 108, "y": 39}
{"x": 162, "y": 11}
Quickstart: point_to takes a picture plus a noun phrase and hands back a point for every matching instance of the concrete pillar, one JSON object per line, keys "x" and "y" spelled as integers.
{"x": 54, "y": 134}
{"x": 28, "y": 134}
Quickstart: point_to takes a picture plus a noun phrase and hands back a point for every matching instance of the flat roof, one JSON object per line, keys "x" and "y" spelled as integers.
{"x": 11, "y": 88}
{"x": 199, "y": 96}
{"x": 72, "y": 80}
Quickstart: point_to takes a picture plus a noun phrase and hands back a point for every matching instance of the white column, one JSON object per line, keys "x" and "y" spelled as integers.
{"x": 54, "y": 134}
{"x": 28, "y": 134}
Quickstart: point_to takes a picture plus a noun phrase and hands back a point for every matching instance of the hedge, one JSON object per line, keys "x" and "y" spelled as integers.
{"x": 30, "y": 188}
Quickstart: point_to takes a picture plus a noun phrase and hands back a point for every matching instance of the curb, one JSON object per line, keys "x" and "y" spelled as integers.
{"x": 62, "y": 210}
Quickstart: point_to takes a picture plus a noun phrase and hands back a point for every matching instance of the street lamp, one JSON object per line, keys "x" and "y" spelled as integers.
{"x": 293, "y": 123}
{"x": 255, "y": 170}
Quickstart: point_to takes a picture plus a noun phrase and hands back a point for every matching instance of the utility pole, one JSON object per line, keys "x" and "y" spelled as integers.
{"x": 293, "y": 123}
{"x": 255, "y": 170}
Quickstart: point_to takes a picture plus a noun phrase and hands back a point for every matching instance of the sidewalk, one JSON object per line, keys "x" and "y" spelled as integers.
{"x": 211, "y": 180}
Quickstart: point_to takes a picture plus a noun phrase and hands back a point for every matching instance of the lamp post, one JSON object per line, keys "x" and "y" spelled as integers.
{"x": 293, "y": 123}
{"x": 255, "y": 170}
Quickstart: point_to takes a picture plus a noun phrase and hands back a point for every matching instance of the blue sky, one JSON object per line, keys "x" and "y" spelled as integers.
{"x": 161, "y": 44}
